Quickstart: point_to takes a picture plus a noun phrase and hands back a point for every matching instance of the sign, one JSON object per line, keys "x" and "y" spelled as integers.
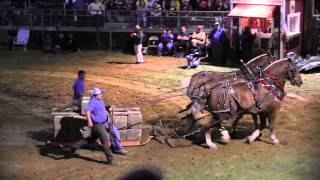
{"x": 261, "y": 2}
{"x": 292, "y": 6}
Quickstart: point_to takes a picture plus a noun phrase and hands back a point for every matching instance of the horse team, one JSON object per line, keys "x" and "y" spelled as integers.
{"x": 256, "y": 89}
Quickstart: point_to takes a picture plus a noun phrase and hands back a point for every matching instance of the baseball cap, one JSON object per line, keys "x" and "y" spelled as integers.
{"x": 96, "y": 91}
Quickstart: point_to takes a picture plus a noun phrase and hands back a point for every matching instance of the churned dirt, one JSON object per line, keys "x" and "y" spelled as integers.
{"x": 33, "y": 83}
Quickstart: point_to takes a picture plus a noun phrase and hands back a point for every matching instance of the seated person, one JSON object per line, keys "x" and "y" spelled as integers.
{"x": 60, "y": 43}
{"x": 166, "y": 41}
{"x": 182, "y": 40}
{"x": 72, "y": 45}
{"x": 193, "y": 56}
{"x": 47, "y": 43}
{"x": 200, "y": 37}
{"x": 96, "y": 7}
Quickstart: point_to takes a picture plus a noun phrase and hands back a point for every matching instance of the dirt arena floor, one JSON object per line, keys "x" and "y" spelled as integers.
{"x": 33, "y": 83}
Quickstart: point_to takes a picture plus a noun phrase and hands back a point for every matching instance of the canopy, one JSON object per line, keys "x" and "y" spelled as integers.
{"x": 250, "y": 10}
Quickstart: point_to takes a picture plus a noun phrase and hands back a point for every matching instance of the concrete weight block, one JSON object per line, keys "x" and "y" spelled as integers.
{"x": 84, "y": 104}
{"x": 135, "y": 121}
{"x": 56, "y": 122}
{"x": 120, "y": 122}
{"x": 134, "y": 134}
{"x": 123, "y": 135}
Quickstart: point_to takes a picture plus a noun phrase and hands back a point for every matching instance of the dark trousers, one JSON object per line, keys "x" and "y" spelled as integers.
{"x": 98, "y": 131}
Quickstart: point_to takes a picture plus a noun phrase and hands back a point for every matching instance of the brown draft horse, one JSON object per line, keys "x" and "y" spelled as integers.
{"x": 238, "y": 99}
{"x": 206, "y": 80}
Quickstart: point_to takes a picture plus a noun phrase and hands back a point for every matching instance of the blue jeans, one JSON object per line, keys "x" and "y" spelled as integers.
{"x": 169, "y": 46}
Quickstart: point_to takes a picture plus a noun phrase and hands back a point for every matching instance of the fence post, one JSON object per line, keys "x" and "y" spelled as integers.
{"x": 110, "y": 40}
{"x": 42, "y": 24}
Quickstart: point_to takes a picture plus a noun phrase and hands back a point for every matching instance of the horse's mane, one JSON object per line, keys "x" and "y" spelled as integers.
{"x": 275, "y": 63}
{"x": 252, "y": 60}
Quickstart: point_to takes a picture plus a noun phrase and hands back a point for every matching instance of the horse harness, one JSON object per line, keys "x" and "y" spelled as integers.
{"x": 228, "y": 101}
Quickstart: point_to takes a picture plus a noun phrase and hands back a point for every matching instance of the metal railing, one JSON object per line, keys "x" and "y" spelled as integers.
{"x": 110, "y": 18}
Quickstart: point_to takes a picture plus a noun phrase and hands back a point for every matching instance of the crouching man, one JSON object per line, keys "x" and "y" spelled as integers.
{"x": 97, "y": 118}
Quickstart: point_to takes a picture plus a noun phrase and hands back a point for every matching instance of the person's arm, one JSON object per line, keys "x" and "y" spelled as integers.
{"x": 90, "y": 124}
{"x": 171, "y": 36}
{"x": 202, "y": 37}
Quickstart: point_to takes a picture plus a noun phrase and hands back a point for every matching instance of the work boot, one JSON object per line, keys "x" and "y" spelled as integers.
{"x": 111, "y": 162}
{"x": 121, "y": 152}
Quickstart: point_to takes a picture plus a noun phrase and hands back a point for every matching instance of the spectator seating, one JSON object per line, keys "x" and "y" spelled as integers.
{"x": 22, "y": 38}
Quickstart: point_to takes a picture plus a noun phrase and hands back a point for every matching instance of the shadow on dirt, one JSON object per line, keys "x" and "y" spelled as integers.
{"x": 113, "y": 62}
{"x": 54, "y": 150}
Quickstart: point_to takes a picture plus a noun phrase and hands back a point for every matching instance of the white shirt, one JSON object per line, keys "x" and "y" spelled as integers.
{"x": 95, "y": 8}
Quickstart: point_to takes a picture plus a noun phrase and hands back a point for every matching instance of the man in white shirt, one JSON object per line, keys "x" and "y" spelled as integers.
{"x": 96, "y": 7}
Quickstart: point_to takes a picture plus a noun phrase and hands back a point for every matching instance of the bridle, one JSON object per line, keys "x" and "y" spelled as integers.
{"x": 292, "y": 72}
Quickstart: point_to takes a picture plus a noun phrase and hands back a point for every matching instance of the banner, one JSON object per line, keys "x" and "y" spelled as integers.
{"x": 261, "y": 2}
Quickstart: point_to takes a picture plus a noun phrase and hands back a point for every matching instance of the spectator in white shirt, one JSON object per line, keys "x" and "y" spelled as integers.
{"x": 96, "y": 7}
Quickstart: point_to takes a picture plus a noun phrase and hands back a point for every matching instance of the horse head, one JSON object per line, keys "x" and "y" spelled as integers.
{"x": 285, "y": 69}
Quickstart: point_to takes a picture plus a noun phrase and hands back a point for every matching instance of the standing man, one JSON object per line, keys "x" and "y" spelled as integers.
{"x": 137, "y": 37}
{"x": 78, "y": 89}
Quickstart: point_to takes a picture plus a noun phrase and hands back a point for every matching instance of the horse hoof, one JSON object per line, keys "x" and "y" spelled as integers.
{"x": 275, "y": 141}
{"x": 250, "y": 139}
{"x": 213, "y": 147}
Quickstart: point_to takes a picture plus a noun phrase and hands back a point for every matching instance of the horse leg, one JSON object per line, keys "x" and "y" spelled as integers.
{"x": 233, "y": 131}
{"x": 257, "y": 132}
{"x": 195, "y": 108}
{"x": 209, "y": 142}
{"x": 255, "y": 121}
{"x": 224, "y": 136}
{"x": 272, "y": 118}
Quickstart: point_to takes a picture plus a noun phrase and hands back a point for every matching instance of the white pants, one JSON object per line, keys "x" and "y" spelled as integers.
{"x": 138, "y": 52}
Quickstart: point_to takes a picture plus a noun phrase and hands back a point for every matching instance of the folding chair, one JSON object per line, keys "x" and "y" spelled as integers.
{"x": 22, "y": 38}
{"x": 153, "y": 42}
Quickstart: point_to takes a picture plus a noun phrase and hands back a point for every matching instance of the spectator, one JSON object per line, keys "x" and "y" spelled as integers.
{"x": 175, "y": 5}
{"x": 120, "y": 4}
{"x": 183, "y": 39}
{"x": 246, "y": 43}
{"x": 60, "y": 43}
{"x": 203, "y": 5}
{"x": 221, "y": 6}
{"x": 150, "y": 3}
{"x": 166, "y": 42}
{"x": 96, "y": 7}
{"x": 142, "y": 11}
{"x": 155, "y": 12}
{"x": 194, "y": 4}
{"x": 72, "y": 45}
{"x": 193, "y": 56}
{"x": 78, "y": 4}
{"x": 156, "y": 9}
{"x": 218, "y": 44}
{"x": 47, "y": 43}
{"x": 200, "y": 37}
